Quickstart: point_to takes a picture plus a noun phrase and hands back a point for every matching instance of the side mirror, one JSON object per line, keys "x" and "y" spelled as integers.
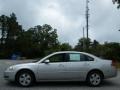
{"x": 46, "y": 61}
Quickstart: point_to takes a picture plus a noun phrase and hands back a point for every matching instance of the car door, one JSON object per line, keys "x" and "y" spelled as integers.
{"x": 52, "y": 70}
{"x": 76, "y": 67}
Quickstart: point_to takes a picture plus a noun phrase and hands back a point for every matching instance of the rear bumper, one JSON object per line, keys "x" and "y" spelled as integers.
{"x": 111, "y": 73}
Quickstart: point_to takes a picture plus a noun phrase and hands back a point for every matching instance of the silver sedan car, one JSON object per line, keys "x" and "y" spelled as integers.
{"x": 63, "y": 66}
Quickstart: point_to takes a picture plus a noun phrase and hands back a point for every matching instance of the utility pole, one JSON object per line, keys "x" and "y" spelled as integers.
{"x": 87, "y": 21}
{"x": 83, "y": 39}
{"x": 83, "y": 33}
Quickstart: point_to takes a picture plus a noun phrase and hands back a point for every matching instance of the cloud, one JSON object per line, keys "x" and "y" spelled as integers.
{"x": 68, "y": 17}
{"x": 52, "y": 14}
{"x": 104, "y": 21}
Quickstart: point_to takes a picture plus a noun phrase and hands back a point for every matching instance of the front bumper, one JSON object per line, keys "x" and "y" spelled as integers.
{"x": 9, "y": 75}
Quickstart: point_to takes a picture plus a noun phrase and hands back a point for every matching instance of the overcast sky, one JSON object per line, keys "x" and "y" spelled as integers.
{"x": 68, "y": 17}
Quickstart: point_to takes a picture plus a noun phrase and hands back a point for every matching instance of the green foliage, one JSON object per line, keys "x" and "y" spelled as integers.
{"x": 3, "y": 27}
{"x": 82, "y": 44}
{"x": 10, "y": 29}
{"x": 35, "y": 42}
{"x": 65, "y": 47}
{"x": 107, "y": 50}
{"x": 39, "y": 41}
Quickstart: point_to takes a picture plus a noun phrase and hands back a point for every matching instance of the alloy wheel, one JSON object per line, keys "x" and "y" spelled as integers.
{"x": 25, "y": 79}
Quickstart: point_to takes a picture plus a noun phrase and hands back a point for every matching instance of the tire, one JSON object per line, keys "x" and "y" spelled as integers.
{"x": 25, "y": 78}
{"x": 94, "y": 78}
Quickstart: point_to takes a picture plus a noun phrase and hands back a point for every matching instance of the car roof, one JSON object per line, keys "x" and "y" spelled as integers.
{"x": 76, "y": 52}
{"x": 67, "y": 52}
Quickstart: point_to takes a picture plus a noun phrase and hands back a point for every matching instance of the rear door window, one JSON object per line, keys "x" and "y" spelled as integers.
{"x": 74, "y": 57}
{"x": 77, "y": 57}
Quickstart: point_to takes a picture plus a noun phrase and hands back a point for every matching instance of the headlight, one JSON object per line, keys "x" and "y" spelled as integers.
{"x": 11, "y": 68}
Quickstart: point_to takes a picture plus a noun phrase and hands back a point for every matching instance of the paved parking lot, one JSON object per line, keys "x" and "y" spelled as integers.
{"x": 110, "y": 84}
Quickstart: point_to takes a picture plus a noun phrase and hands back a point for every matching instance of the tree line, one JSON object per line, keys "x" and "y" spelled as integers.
{"x": 41, "y": 40}
{"x": 32, "y": 43}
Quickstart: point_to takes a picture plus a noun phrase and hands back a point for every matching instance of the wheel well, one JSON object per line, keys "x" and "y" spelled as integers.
{"x": 25, "y": 70}
{"x": 96, "y": 70}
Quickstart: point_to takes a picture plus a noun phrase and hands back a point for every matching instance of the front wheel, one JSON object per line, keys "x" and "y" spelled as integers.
{"x": 94, "y": 79}
{"x": 25, "y": 78}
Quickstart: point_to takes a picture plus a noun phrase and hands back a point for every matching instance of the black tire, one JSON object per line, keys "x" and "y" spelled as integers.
{"x": 94, "y": 78}
{"x": 25, "y": 78}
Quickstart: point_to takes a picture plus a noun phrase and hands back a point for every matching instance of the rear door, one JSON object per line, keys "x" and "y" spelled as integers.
{"x": 76, "y": 66}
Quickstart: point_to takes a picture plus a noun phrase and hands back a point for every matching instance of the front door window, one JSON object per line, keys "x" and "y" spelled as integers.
{"x": 57, "y": 58}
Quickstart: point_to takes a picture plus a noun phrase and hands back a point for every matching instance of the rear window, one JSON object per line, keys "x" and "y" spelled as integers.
{"x": 86, "y": 58}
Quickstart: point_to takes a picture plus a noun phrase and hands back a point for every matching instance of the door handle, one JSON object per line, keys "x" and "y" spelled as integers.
{"x": 86, "y": 64}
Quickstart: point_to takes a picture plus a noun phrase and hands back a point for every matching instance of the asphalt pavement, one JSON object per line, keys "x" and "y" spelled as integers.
{"x": 109, "y": 84}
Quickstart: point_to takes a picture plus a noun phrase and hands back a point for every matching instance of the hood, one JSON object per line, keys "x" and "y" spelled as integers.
{"x": 26, "y": 65}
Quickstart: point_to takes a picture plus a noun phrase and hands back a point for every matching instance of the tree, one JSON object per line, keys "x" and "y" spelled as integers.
{"x": 3, "y": 27}
{"x": 65, "y": 47}
{"x": 81, "y": 46}
{"x": 46, "y": 38}
{"x": 3, "y": 30}
{"x": 34, "y": 42}
{"x": 118, "y": 2}
{"x": 10, "y": 29}
{"x": 38, "y": 41}
{"x": 112, "y": 50}
{"x": 95, "y": 43}
{"x": 13, "y": 27}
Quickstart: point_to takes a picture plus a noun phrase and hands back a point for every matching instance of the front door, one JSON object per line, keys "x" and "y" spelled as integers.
{"x": 54, "y": 70}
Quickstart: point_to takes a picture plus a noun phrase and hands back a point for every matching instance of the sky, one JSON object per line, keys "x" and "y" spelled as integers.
{"x": 68, "y": 17}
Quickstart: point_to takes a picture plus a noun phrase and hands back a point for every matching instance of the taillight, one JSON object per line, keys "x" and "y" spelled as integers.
{"x": 114, "y": 63}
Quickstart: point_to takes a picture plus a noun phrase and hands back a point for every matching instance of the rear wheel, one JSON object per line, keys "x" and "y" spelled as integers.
{"x": 25, "y": 78}
{"x": 94, "y": 78}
